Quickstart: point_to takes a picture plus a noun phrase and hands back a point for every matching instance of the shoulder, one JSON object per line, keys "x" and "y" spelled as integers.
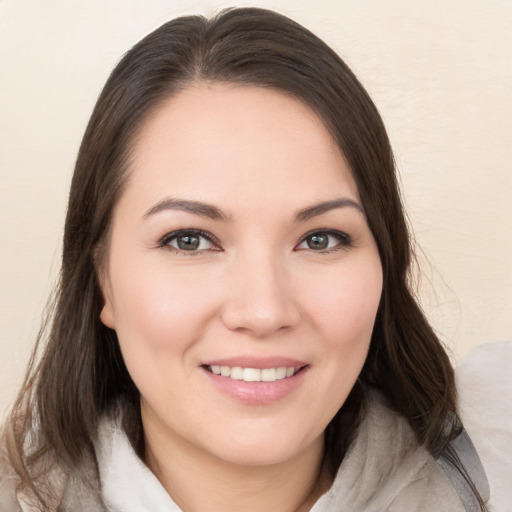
{"x": 75, "y": 492}
{"x": 386, "y": 469}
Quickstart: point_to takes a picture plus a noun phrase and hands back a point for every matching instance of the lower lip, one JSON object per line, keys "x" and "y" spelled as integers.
{"x": 257, "y": 393}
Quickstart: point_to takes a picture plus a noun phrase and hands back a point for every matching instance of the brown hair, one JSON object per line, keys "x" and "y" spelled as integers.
{"x": 81, "y": 374}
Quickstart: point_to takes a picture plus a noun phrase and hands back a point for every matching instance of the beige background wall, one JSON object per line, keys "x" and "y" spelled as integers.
{"x": 440, "y": 72}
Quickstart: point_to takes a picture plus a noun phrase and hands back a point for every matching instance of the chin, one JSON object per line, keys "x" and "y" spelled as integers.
{"x": 261, "y": 448}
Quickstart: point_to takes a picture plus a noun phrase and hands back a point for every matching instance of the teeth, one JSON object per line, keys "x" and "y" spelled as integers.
{"x": 253, "y": 374}
{"x": 236, "y": 373}
{"x": 280, "y": 373}
{"x": 268, "y": 375}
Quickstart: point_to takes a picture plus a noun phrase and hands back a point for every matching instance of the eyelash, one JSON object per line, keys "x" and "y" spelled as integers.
{"x": 169, "y": 237}
{"x": 344, "y": 240}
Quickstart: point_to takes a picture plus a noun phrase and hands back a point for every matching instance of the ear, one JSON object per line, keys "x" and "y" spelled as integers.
{"x": 107, "y": 315}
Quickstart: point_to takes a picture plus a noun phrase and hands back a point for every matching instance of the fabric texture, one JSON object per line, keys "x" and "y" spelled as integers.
{"x": 461, "y": 449}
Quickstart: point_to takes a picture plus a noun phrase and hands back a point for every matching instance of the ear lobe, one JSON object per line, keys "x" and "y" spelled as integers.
{"x": 107, "y": 315}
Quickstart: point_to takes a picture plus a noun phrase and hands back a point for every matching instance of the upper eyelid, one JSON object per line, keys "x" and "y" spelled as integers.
{"x": 171, "y": 235}
{"x": 326, "y": 231}
{"x": 344, "y": 240}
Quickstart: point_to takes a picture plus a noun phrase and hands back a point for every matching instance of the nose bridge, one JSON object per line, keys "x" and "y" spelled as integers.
{"x": 260, "y": 298}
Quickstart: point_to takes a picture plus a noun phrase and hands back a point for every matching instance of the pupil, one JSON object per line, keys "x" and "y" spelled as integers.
{"x": 318, "y": 241}
{"x": 188, "y": 242}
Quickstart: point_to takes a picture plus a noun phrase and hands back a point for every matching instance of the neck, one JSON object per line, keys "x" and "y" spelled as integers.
{"x": 199, "y": 481}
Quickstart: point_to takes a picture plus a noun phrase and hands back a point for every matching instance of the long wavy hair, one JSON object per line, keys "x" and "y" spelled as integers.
{"x": 77, "y": 373}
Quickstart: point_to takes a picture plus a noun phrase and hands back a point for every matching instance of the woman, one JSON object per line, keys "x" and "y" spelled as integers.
{"x": 234, "y": 326}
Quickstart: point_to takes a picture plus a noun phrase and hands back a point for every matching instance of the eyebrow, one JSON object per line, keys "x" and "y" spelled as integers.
{"x": 320, "y": 208}
{"x": 212, "y": 212}
{"x": 196, "y": 207}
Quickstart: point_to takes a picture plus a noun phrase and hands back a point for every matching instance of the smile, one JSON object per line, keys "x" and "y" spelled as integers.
{"x": 253, "y": 374}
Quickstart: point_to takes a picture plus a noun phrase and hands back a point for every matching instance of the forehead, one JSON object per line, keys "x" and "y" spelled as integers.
{"x": 213, "y": 141}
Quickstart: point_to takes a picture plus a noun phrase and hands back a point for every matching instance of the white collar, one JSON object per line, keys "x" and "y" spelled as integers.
{"x": 127, "y": 483}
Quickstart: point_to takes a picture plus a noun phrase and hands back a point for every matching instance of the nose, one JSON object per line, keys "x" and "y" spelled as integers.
{"x": 260, "y": 299}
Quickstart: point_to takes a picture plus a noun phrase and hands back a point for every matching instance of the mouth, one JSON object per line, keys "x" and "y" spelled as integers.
{"x": 256, "y": 380}
{"x": 254, "y": 374}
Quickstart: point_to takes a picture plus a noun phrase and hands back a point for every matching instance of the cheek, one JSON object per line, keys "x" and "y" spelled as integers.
{"x": 160, "y": 316}
{"x": 159, "y": 310}
{"x": 346, "y": 308}
{"x": 342, "y": 312}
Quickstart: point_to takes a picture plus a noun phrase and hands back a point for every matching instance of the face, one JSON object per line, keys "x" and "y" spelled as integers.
{"x": 241, "y": 276}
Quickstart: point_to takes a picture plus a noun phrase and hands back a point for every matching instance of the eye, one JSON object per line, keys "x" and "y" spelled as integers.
{"x": 189, "y": 241}
{"x": 324, "y": 241}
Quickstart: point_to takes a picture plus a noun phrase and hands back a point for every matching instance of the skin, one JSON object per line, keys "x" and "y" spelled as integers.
{"x": 259, "y": 290}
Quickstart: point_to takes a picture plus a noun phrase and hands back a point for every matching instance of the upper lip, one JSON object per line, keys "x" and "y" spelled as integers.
{"x": 256, "y": 362}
